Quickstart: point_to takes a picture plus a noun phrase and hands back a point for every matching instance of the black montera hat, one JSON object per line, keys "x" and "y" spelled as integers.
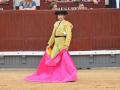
{"x": 61, "y": 12}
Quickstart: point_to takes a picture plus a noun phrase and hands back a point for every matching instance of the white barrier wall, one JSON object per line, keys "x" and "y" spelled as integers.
{"x": 82, "y": 59}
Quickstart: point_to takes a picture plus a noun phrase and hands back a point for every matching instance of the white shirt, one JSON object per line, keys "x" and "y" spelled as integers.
{"x": 16, "y": 2}
{"x": 117, "y": 3}
{"x": 106, "y": 2}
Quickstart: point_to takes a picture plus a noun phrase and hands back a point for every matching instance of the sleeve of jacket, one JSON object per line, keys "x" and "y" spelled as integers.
{"x": 69, "y": 27}
{"x": 52, "y": 38}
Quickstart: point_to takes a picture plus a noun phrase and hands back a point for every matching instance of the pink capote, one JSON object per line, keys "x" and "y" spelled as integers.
{"x": 59, "y": 69}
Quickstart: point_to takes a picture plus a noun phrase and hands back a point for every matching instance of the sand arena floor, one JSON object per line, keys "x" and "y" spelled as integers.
{"x": 93, "y": 79}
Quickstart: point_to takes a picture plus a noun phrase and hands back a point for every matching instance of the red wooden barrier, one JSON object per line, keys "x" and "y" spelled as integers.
{"x": 30, "y": 30}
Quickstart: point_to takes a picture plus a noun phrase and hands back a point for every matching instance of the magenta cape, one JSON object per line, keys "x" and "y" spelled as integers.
{"x": 59, "y": 69}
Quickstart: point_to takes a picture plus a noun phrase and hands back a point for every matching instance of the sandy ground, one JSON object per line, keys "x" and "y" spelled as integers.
{"x": 95, "y": 79}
